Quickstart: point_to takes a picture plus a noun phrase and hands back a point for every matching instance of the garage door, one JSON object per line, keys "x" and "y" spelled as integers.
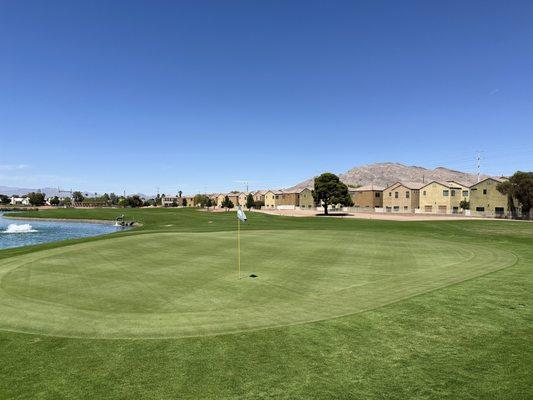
{"x": 442, "y": 209}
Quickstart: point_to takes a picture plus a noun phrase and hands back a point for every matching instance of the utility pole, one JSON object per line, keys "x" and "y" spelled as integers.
{"x": 478, "y": 164}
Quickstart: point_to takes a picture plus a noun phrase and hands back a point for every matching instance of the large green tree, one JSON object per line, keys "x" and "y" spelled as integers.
{"x": 4, "y": 200}
{"x": 78, "y": 197}
{"x": 105, "y": 198}
{"x": 201, "y": 200}
{"x": 330, "y": 190}
{"x": 519, "y": 187}
{"x": 249, "y": 201}
{"x": 113, "y": 199}
{"x": 54, "y": 201}
{"x": 36, "y": 199}
{"x": 134, "y": 201}
{"x": 227, "y": 203}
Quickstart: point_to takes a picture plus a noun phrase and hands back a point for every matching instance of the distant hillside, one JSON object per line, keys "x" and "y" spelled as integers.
{"x": 49, "y": 192}
{"x": 384, "y": 174}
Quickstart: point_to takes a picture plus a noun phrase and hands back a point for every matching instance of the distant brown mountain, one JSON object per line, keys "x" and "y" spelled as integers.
{"x": 385, "y": 174}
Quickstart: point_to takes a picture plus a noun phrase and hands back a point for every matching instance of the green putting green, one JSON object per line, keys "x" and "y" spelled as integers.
{"x": 358, "y": 309}
{"x": 176, "y": 284}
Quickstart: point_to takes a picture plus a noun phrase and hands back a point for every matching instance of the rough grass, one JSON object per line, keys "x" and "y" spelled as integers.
{"x": 466, "y": 340}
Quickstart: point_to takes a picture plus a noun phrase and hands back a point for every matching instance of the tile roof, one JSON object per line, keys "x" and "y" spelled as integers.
{"x": 409, "y": 185}
{"x": 366, "y": 188}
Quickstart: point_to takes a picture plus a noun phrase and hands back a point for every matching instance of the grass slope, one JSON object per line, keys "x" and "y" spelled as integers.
{"x": 468, "y": 340}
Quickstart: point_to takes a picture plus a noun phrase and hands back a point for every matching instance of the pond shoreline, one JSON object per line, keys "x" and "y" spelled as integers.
{"x": 89, "y": 221}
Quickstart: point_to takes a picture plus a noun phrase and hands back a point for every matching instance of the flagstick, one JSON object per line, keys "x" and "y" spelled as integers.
{"x": 239, "y": 246}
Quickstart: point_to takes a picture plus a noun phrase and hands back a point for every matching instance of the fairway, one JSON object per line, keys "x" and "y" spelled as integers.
{"x": 176, "y": 284}
{"x": 339, "y": 309}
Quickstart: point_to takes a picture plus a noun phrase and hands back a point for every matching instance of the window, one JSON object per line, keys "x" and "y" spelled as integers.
{"x": 405, "y": 208}
{"x": 453, "y": 192}
{"x": 465, "y": 193}
{"x": 484, "y": 191}
{"x": 445, "y": 193}
{"x": 395, "y": 195}
{"x": 480, "y": 209}
{"x": 396, "y": 208}
{"x": 390, "y": 194}
{"x": 424, "y": 193}
{"x": 377, "y": 194}
{"x": 498, "y": 210}
{"x": 407, "y": 194}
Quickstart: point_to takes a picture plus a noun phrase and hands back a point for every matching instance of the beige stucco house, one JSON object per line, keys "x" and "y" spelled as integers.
{"x": 402, "y": 197}
{"x": 272, "y": 198}
{"x": 220, "y": 199}
{"x": 486, "y": 199}
{"x": 259, "y": 195}
{"x": 234, "y": 197}
{"x": 242, "y": 198}
{"x": 305, "y": 199}
{"x": 368, "y": 196}
{"x": 168, "y": 200}
{"x": 299, "y": 198}
{"x": 190, "y": 201}
{"x": 443, "y": 197}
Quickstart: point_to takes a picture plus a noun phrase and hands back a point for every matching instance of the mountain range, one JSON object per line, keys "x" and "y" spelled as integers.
{"x": 17, "y": 191}
{"x": 385, "y": 174}
{"x": 378, "y": 174}
{"x": 51, "y": 192}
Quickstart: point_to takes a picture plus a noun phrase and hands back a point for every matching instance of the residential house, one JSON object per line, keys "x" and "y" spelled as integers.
{"x": 289, "y": 199}
{"x": 305, "y": 199}
{"x": 272, "y": 198}
{"x": 170, "y": 200}
{"x": 242, "y": 198}
{"x": 443, "y": 197}
{"x": 190, "y": 201}
{"x": 486, "y": 199}
{"x": 369, "y": 196}
{"x": 214, "y": 198}
{"x": 20, "y": 200}
{"x": 220, "y": 199}
{"x": 234, "y": 197}
{"x": 402, "y": 197}
{"x": 259, "y": 195}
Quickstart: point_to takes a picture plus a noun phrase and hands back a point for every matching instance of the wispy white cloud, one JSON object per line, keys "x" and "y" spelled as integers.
{"x": 13, "y": 167}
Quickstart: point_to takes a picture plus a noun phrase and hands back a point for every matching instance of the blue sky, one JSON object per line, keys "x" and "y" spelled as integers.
{"x": 196, "y": 95}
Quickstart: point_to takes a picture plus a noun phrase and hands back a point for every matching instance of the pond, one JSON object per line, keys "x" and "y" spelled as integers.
{"x": 18, "y": 232}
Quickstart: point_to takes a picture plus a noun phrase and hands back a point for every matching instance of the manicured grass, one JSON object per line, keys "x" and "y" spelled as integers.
{"x": 399, "y": 310}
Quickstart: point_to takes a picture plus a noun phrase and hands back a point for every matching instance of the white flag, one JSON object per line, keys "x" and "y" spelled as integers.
{"x": 241, "y": 215}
